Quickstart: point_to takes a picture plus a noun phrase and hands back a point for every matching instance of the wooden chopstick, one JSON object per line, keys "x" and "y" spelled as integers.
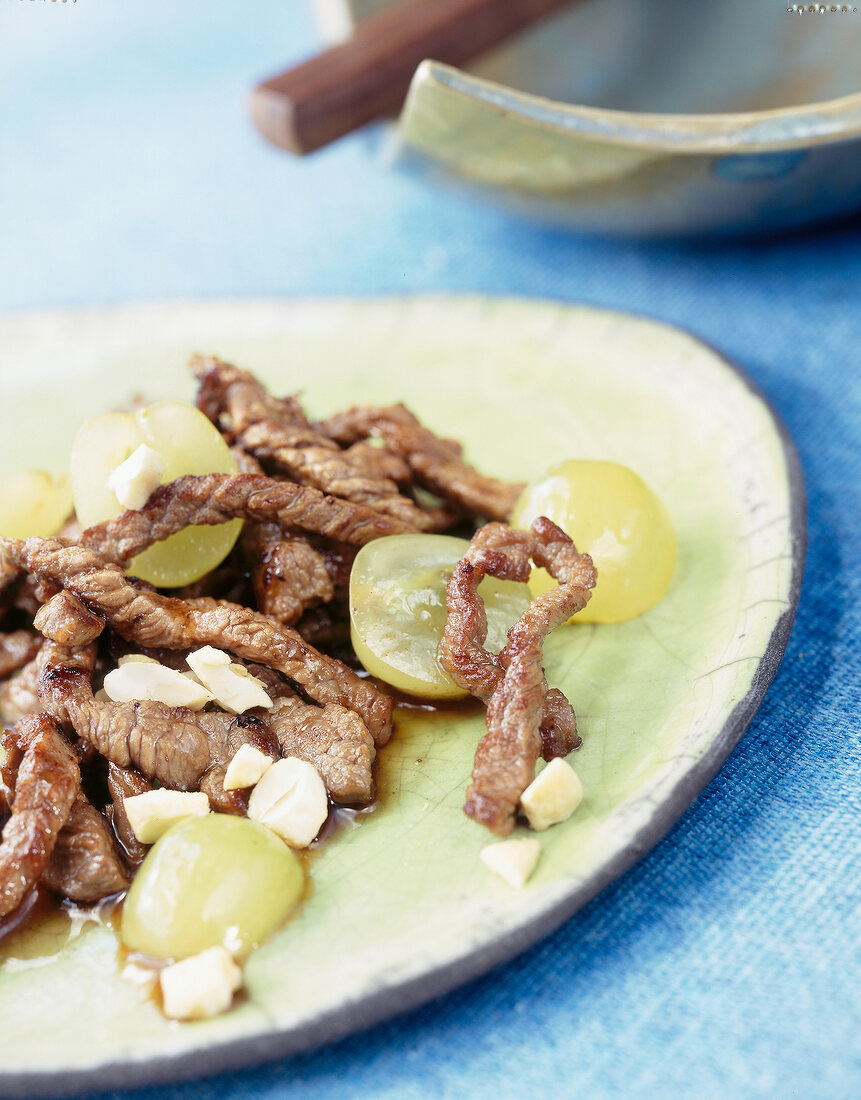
{"x": 368, "y": 75}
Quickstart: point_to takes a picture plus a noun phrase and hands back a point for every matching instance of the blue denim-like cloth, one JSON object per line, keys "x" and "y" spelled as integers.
{"x": 726, "y": 964}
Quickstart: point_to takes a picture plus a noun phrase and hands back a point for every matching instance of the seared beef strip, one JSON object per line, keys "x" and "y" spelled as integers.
{"x": 316, "y": 461}
{"x": 287, "y": 574}
{"x": 379, "y": 461}
{"x": 436, "y": 463}
{"x": 331, "y": 738}
{"x": 235, "y": 399}
{"x": 46, "y": 785}
{"x": 227, "y": 733}
{"x": 84, "y": 865}
{"x": 19, "y": 695}
{"x": 502, "y": 552}
{"x": 505, "y": 758}
{"x": 327, "y": 628}
{"x": 216, "y": 498}
{"x": 154, "y": 621}
{"x": 64, "y": 619}
{"x": 16, "y": 649}
{"x": 180, "y": 748}
{"x": 338, "y": 558}
{"x": 257, "y": 638}
{"x": 125, "y": 783}
{"x": 259, "y": 423}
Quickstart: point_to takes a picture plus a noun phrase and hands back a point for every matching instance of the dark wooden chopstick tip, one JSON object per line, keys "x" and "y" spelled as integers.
{"x": 274, "y": 116}
{"x": 368, "y": 76}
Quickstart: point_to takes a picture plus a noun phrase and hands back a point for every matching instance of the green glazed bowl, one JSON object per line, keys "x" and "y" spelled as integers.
{"x": 650, "y": 119}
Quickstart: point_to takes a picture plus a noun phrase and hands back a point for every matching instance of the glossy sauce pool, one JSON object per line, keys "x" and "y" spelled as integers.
{"x": 45, "y": 925}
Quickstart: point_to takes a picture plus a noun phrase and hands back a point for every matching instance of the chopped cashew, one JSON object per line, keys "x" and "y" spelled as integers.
{"x": 552, "y": 796}
{"x": 514, "y": 860}
{"x": 141, "y": 677}
{"x": 152, "y": 813}
{"x": 200, "y": 986}
{"x": 290, "y": 800}
{"x": 133, "y": 481}
{"x": 231, "y": 683}
{"x": 246, "y": 768}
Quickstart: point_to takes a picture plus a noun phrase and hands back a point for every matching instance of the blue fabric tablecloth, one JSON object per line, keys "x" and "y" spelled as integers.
{"x": 726, "y": 964}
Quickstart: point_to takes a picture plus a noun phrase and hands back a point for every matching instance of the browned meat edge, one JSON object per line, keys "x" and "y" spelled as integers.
{"x": 154, "y": 621}
{"x": 47, "y": 783}
{"x": 436, "y": 463}
{"x": 505, "y": 758}
{"x": 16, "y": 649}
{"x": 217, "y": 498}
{"x": 84, "y": 865}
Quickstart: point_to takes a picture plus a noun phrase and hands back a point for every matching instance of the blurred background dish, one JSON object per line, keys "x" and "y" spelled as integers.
{"x": 659, "y": 118}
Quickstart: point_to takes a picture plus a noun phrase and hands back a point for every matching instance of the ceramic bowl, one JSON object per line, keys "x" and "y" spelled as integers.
{"x": 659, "y": 118}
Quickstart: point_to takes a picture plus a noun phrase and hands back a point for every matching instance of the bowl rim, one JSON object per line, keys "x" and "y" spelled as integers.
{"x": 773, "y": 130}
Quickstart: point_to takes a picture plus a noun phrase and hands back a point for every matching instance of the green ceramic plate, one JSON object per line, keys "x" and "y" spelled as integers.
{"x": 401, "y": 908}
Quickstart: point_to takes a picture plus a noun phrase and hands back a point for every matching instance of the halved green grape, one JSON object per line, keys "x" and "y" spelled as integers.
{"x": 397, "y": 610}
{"x": 613, "y": 515}
{"x": 33, "y": 502}
{"x": 211, "y": 880}
{"x": 187, "y": 443}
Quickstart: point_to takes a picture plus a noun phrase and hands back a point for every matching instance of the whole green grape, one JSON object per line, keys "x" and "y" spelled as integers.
{"x": 210, "y": 880}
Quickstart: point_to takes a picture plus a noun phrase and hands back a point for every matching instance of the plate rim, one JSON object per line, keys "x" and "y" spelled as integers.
{"x": 391, "y": 1001}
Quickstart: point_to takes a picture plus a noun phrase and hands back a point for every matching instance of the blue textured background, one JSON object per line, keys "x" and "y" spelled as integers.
{"x": 726, "y": 964}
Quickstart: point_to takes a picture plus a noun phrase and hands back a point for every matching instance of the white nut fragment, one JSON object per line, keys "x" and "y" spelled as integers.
{"x": 232, "y": 684}
{"x": 247, "y": 767}
{"x": 200, "y": 986}
{"x": 552, "y": 796}
{"x": 513, "y": 860}
{"x": 133, "y": 480}
{"x": 141, "y": 677}
{"x": 152, "y": 813}
{"x": 290, "y": 800}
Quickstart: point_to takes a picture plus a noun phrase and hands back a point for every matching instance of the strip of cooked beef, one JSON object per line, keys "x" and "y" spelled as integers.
{"x": 228, "y": 581}
{"x": 125, "y": 783}
{"x": 64, "y": 619}
{"x": 333, "y": 739}
{"x": 227, "y": 733}
{"x": 502, "y": 552}
{"x": 10, "y": 574}
{"x": 245, "y": 462}
{"x": 183, "y": 749}
{"x": 46, "y": 785}
{"x": 10, "y": 759}
{"x": 436, "y": 463}
{"x": 217, "y": 498}
{"x": 257, "y": 638}
{"x": 255, "y": 421}
{"x": 327, "y": 628}
{"x": 338, "y": 558}
{"x": 235, "y": 399}
{"x": 151, "y": 620}
{"x": 19, "y": 695}
{"x": 28, "y": 595}
{"x": 505, "y": 758}
{"x": 326, "y": 467}
{"x": 379, "y": 461}
{"x": 287, "y": 574}
{"x": 84, "y": 865}
{"x": 17, "y": 648}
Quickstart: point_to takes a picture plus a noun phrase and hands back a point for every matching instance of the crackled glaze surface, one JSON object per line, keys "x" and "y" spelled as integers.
{"x": 661, "y": 699}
